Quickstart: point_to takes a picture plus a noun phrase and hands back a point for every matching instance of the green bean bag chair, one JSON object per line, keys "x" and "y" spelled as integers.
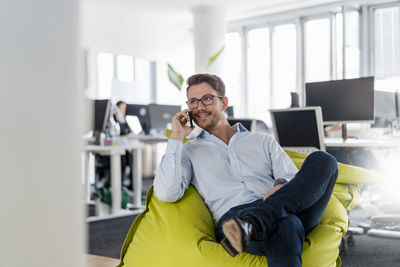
{"x": 182, "y": 234}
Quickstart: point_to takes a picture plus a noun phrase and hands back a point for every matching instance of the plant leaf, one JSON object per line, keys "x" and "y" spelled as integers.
{"x": 214, "y": 57}
{"x": 175, "y": 77}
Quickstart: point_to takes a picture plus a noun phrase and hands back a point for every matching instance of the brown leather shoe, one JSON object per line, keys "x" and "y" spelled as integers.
{"x": 238, "y": 232}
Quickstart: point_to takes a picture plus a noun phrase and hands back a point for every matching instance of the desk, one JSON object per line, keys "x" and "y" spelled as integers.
{"x": 370, "y": 153}
{"x": 115, "y": 153}
{"x": 149, "y": 139}
{"x": 384, "y": 142}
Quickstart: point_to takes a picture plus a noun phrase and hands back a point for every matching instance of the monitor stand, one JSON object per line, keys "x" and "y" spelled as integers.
{"x": 344, "y": 132}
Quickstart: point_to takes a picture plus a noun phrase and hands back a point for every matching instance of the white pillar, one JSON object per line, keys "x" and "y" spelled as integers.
{"x": 41, "y": 211}
{"x": 209, "y": 37}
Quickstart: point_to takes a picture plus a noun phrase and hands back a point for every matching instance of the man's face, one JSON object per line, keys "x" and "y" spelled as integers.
{"x": 207, "y": 117}
{"x": 122, "y": 108}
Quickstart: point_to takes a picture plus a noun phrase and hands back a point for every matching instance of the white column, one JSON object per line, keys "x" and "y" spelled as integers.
{"x": 209, "y": 37}
{"x": 41, "y": 211}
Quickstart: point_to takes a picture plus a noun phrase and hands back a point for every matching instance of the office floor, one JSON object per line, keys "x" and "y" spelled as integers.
{"x": 100, "y": 261}
{"x": 368, "y": 250}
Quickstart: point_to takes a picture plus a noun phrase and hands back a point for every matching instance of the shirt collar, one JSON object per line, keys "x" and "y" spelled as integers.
{"x": 238, "y": 127}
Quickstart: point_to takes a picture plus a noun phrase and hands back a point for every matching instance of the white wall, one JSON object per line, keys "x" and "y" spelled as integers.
{"x": 145, "y": 32}
{"x": 41, "y": 211}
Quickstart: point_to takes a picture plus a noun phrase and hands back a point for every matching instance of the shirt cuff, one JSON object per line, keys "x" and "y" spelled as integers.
{"x": 280, "y": 181}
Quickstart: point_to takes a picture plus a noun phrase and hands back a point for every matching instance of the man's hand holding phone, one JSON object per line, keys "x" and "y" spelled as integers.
{"x": 179, "y": 128}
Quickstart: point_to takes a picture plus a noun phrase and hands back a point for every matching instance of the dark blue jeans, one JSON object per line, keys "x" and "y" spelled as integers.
{"x": 291, "y": 213}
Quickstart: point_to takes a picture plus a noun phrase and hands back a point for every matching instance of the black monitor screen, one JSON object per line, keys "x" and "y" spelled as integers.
{"x": 384, "y": 108}
{"x": 161, "y": 115}
{"x": 247, "y": 123}
{"x": 297, "y": 128}
{"x": 141, "y": 112}
{"x": 349, "y": 100}
{"x": 101, "y": 114}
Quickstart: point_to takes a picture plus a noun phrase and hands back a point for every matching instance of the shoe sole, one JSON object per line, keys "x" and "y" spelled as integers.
{"x": 233, "y": 235}
{"x": 228, "y": 247}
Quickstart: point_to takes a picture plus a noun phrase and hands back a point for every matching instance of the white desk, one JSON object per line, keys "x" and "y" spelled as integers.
{"x": 384, "y": 142}
{"x": 149, "y": 139}
{"x": 115, "y": 153}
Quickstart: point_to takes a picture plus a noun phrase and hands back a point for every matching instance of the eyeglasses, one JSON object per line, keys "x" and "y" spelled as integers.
{"x": 206, "y": 100}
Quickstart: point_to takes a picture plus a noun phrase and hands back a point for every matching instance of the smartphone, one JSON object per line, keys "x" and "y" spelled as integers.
{"x": 191, "y": 119}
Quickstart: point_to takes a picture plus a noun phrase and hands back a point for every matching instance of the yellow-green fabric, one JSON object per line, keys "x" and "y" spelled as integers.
{"x": 347, "y": 174}
{"x": 182, "y": 234}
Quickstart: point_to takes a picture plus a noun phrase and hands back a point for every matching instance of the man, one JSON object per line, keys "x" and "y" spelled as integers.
{"x": 122, "y": 107}
{"x": 124, "y": 127}
{"x": 259, "y": 201}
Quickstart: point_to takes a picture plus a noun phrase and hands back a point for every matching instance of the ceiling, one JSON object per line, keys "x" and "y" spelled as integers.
{"x": 235, "y": 9}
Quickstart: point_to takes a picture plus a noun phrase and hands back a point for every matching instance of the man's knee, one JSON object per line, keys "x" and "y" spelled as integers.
{"x": 324, "y": 159}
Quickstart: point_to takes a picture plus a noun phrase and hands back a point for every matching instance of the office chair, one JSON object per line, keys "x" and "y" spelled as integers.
{"x": 186, "y": 228}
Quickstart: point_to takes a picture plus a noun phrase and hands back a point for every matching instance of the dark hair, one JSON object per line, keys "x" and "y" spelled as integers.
{"x": 120, "y": 102}
{"x": 212, "y": 80}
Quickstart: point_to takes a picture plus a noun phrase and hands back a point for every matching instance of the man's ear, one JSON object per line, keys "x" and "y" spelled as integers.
{"x": 225, "y": 102}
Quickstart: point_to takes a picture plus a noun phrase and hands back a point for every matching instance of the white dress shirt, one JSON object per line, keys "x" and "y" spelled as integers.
{"x": 225, "y": 175}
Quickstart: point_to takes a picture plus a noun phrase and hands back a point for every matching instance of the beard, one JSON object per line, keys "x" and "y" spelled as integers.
{"x": 210, "y": 121}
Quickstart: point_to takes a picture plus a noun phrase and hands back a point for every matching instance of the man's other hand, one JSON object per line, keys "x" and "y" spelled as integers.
{"x": 272, "y": 191}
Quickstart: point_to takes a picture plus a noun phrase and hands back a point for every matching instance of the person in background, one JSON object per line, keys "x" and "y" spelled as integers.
{"x": 122, "y": 107}
{"x": 123, "y": 125}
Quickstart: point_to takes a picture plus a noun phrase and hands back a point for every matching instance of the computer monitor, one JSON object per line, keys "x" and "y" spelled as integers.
{"x": 102, "y": 109}
{"x": 141, "y": 112}
{"x": 343, "y": 101}
{"x": 134, "y": 124}
{"x": 385, "y": 111}
{"x": 298, "y": 127}
{"x": 161, "y": 115}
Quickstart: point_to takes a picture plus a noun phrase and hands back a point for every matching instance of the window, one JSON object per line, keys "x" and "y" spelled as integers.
{"x": 352, "y": 45}
{"x": 142, "y": 88}
{"x": 387, "y": 48}
{"x": 318, "y": 50}
{"x": 283, "y": 64}
{"x": 232, "y": 75}
{"x": 167, "y": 93}
{"x": 339, "y": 46}
{"x": 105, "y": 74}
{"x": 332, "y": 50}
{"x": 125, "y": 68}
{"x": 258, "y": 57}
{"x": 125, "y": 78}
